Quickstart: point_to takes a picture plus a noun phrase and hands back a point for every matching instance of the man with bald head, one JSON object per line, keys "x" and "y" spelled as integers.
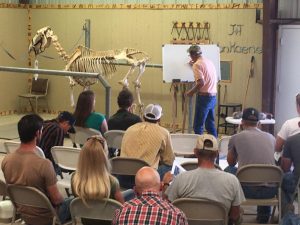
{"x": 148, "y": 207}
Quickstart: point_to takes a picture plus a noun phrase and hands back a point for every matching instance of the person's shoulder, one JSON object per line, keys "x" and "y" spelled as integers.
{"x": 96, "y": 114}
{"x": 294, "y": 138}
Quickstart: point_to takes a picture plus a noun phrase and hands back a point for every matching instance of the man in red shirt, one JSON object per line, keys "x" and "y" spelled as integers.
{"x": 148, "y": 207}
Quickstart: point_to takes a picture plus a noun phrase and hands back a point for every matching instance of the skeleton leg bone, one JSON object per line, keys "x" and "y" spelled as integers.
{"x": 137, "y": 87}
{"x": 124, "y": 81}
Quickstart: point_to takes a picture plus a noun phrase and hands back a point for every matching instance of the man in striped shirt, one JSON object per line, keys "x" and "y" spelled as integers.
{"x": 53, "y": 134}
{"x": 148, "y": 207}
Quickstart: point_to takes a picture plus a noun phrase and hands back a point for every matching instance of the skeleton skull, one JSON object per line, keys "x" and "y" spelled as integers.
{"x": 41, "y": 40}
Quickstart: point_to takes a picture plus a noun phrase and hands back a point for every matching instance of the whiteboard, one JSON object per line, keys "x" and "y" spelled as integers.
{"x": 176, "y": 61}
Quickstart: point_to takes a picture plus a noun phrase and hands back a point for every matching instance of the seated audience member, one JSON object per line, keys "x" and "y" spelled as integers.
{"x": 253, "y": 146}
{"x": 124, "y": 117}
{"x": 24, "y": 167}
{"x": 53, "y": 135}
{"x": 149, "y": 141}
{"x": 85, "y": 114}
{"x": 289, "y": 128}
{"x": 206, "y": 181}
{"x": 148, "y": 207}
{"x": 291, "y": 156}
{"x": 92, "y": 179}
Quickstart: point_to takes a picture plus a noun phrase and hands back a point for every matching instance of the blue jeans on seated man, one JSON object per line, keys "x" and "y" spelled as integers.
{"x": 63, "y": 211}
{"x": 205, "y": 115}
{"x": 261, "y": 192}
{"x": 289, "y": 183}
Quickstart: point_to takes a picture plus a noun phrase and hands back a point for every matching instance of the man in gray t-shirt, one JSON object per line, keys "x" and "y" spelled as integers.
{"x": 291, "y": 156}
{"x": 206, "y": 181}
{"x": 253, "y": 146}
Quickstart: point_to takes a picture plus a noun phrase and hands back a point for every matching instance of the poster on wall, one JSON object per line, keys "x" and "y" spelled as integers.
{"x": 176, "y": 62}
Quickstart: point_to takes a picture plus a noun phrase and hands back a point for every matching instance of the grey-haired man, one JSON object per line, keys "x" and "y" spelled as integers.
{"x": 206, "y": 89}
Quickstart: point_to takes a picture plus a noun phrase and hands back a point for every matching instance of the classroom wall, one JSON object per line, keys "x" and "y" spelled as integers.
{"x": 234, "y": 30}
{"x": 13, "y": 39}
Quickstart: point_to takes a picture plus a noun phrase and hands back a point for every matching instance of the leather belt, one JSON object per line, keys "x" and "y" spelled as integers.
{"x": 207, "y": 94}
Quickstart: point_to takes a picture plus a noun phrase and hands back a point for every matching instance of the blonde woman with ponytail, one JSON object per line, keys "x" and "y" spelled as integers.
{"x": 92, "y": 179}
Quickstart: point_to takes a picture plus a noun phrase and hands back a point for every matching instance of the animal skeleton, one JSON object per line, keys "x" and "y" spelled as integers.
{"x": 88, "y": 60}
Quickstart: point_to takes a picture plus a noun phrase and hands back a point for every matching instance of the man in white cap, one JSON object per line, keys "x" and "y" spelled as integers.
{"x": 149, "y": 141}
{"x": 206, "y": 181}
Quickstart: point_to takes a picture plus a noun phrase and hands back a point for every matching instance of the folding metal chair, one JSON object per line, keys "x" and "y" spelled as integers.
{"x": 94, "y": 209}
{"x": 202, "y": 211}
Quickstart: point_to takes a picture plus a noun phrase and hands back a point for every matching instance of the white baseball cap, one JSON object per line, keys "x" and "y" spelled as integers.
{"x": 153, "y": 112}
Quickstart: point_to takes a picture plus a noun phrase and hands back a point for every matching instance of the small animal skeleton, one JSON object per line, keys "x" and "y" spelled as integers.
{"x": 88, "y": 60}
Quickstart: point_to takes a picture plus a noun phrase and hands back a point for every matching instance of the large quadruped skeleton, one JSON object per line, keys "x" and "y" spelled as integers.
{"x": 87, "y": 60}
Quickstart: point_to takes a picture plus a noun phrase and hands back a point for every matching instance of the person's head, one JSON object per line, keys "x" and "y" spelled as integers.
{"x": 30, "y": 128}
{"x": 298, "y": 103}
{"x": 147, "y": 179}
{"x": 125, "y": 99}
{"x": 250, "y": 117}
{"x": 152, "y": 113}
{"x": 92, "y": 177}
{"x": 84, "y": 107}
{"x": 206, "y": 149}
{"x": 195, "y": 52}
{"x": 66, "y": 121}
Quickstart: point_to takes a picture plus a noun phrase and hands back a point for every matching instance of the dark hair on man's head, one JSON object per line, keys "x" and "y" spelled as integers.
{"x": 125, "y": 99}
{"x": 84, "y": 107}
{"x": 28, "y": 126}
{"x": 207, "y": 155}
{"x": 150, "y": 121}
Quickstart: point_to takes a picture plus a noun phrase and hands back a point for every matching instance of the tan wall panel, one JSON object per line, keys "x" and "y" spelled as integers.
{"x": 148, "y": 30}
{"x": 13, "y": 37}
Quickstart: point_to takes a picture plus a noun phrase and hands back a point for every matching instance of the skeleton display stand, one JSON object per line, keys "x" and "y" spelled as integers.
{"x": 88, "y": 60}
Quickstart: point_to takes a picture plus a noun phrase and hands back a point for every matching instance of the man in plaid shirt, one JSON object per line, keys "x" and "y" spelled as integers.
{"x": 148, "y": 207}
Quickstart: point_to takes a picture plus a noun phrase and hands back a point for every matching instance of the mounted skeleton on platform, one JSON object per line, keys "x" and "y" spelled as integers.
{"x": 87, "y": 60}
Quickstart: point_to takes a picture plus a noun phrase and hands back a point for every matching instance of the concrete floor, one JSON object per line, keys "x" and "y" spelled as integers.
{"x": 13, "y": 119}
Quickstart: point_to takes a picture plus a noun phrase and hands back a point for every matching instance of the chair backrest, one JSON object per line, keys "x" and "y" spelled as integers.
{"x": 190, "y": 165}
{"x": 94, "y": 209}
{"x": 82, "y": 134}
{"x": 30, "y": 196}
{"x": 194, "y": 165}
{"x": 202, "y": 211}
{"x": 260, "y": 173}
{"x": 126, "y": 166}
{"x": 184, "y": 144}
{"x": 223, "y": 146}
{"x": 39, "y": 86}
{"x": 12, "y": 146}
{"x": 66, "y": 157}
{"x": 114, "y": 138}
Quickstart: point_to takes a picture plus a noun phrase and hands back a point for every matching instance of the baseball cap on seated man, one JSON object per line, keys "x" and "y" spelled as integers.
{"x": 153, "y": 112}
{"x": 251, "y": 115}
{"x": 66, "y": 116}
{"x": 207, "y": 142}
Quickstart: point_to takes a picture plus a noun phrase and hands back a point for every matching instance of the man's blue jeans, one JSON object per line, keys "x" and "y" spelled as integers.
{"x": 204, "y": 115}
{"x": 289, "y": 183}
{"x": 261, "y": 192}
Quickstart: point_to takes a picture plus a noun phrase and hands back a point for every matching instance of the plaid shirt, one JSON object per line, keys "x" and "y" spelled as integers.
{"x": 150, "y": 209}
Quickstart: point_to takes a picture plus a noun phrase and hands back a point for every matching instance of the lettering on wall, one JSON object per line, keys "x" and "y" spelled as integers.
{"x": 236, "y": 29}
